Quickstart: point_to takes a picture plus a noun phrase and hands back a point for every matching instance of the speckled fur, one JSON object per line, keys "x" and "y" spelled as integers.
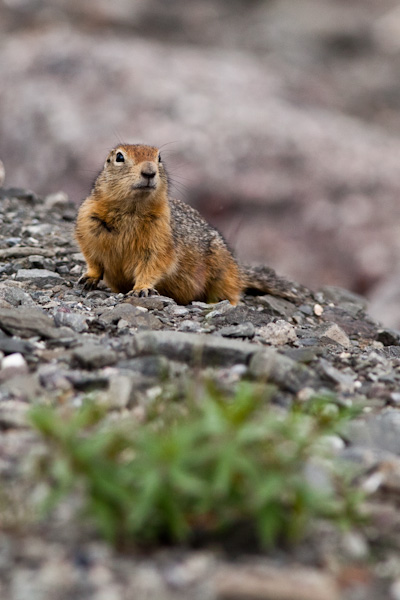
{"x": 141, "y": 241}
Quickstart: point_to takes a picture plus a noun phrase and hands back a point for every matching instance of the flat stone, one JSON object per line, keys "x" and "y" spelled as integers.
{"x": 236, "y": 315}
{"x": 219, "y": 309}
{"x": 245, "y": 330}
{"x": 344, "y": 379}
{"x": 277, "y": 306}
{"x": 41, "y": 277}
{"x": 149, "y": 366}
{"x": 331, "y": 332}
{"x": 177, "y": 311}
{"x": 9, "y": 345}
{"x": 135, "y": 316}
{"x": 15, "y": 296}
{"x": 304, "y": 355}
{"x": 193, "y": 348}
{"x": 93, "y": 356}
{"x": 27, "y": 322}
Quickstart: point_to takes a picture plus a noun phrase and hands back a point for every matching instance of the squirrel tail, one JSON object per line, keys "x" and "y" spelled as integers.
{"x": 259, "y": 280}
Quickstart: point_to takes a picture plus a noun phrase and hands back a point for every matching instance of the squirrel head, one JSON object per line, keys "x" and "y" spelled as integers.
{"x": 132, "y": 171}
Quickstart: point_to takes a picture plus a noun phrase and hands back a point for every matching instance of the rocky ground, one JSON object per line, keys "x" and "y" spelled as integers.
{"x": 57, "y": 345}
{"x": 280, "y": 119}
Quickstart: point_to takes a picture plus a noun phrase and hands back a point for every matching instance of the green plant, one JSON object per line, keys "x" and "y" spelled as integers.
{"x": 219, "y": 463}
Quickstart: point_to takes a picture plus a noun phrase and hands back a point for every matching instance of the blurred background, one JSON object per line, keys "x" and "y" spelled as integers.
{"x": 280, "y": 120}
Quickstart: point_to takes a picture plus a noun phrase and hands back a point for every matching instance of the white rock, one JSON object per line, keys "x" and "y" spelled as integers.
{"x": 318, "y": 310}
{"x": 14, "y": 361}
{"x": 278, "y": 333}
{"x": 12, "y": 365}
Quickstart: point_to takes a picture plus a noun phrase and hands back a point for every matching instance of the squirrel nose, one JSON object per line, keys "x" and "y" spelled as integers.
{"x": 148, "y": 170}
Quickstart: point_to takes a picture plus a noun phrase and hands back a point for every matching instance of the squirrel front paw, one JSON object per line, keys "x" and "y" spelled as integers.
{"x": 143, "y": 293}
{"x": 88, "y": 283}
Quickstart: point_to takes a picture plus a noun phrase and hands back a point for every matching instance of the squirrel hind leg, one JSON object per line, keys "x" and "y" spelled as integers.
{"x": 226, "y": 287}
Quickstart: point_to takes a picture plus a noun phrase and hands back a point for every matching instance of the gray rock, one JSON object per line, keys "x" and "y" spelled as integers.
{"x": 27, "y": 322}
{"x": 192, "y": 348}
{"x": 306, "y": 309}
{"x": 13, "y": 414}
{"x": 121, "y": 311}
{"x": 344, "y": 378}
{"x": 219, "y": 309}
{"x": 24, "y": 387}
{"x": 391, "y": 351}
{"x": 381, "y": 431}
{"x": 37, "y": 261}
{"x": 245, "y": 330}
{"x": 121, "y": 391}
{"x": 16, "y": 296}
{"x": 75, "y": 321}
{"x": 236, "y": 315}
{"x": 10, "y": 345}
{"x": 39, "y": 277}
{"x": 149, "y": 366}
{"x": 353, "y": 326}
{"x": 177, "y": 311}
{"x": 135, "y": 316}
{"x": 330, "y": 332}
{"x": 338, "y": 295}
{"x": 81, "y": 380}
{"x": 151, "y": 303}
{"x": 388, "y": 337}
{"x": 303, "y": 355}
{"x": 93, "y": 356}
{"x": 187, "y": 325}
{"x": 277, "y": 306}
{"x": 19, "y": 194}
{"x": 271, "y": 366}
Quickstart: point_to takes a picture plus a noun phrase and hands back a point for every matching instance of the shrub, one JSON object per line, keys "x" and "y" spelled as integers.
{"x": 206, "y": 469}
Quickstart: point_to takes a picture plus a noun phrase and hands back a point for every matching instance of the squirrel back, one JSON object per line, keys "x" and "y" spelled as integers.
{"x": 142, "y": 242}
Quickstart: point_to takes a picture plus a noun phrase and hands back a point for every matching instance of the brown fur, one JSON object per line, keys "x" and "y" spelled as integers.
{"x": 141, "y": 242}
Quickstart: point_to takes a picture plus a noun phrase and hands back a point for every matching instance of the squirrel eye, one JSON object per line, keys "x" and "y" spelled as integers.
{"x": 119, "y": 157}
{"x": 159, "y": 158}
